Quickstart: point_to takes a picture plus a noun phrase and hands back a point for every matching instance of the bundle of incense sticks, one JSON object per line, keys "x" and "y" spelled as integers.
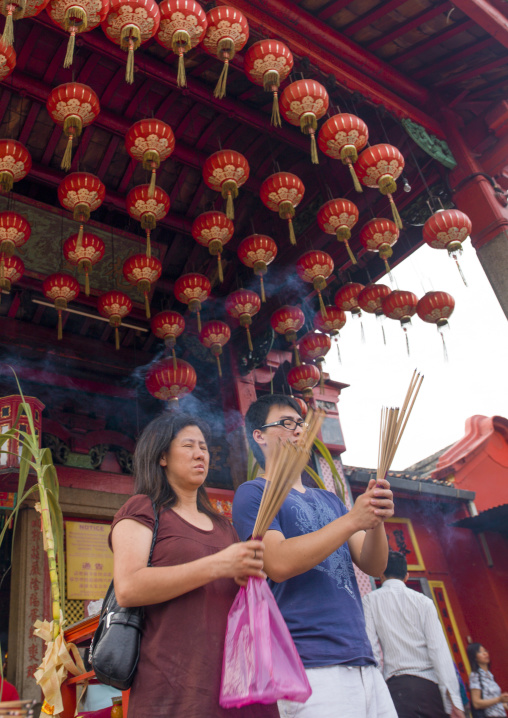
{"x": 17, "y": 708}
{"x": 393, "y": 423}
{"x": 283, "y": 468}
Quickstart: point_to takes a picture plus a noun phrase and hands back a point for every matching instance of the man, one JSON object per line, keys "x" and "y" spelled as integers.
{"x": 309, "y": 553}
{"x": 418, "y": 666}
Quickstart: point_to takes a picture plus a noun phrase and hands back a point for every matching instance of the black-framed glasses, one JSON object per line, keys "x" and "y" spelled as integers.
{"x": 289, "y": 424}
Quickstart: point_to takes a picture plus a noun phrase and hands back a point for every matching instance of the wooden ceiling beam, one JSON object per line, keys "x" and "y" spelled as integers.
{"x": 409, "y": 25}
{"x": 487, "y": 17}
{"x": 332, "y": 8}
{"x": 108, "y": 156}
{"x": 370, "y": 17}
{"x": 453, "y": 57}
{"x": 436, "y": 39}
{"x": 29, "y": 123}
{"x": 473, "y": 72}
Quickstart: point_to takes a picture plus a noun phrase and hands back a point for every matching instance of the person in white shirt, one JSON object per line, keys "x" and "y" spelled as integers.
{"x": 417, "y": 664}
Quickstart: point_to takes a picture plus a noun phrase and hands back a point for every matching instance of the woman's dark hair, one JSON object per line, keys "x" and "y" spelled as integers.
{"x": 472, "y": 651}
{"x": 150, "y": 476}
{"x": 256, "y": 415}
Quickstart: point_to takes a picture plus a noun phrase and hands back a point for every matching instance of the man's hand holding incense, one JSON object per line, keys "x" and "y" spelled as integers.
{"x": 369, "y": 547}
{"x": 373, "y": 506}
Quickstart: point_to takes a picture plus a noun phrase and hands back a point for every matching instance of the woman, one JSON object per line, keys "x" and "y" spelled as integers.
{"x": 197, "y": 565}
{"x": 485, "y": 693}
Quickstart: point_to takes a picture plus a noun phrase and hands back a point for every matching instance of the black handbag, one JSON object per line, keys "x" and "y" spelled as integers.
{"x": 478, "y": 712}
{"x": 114, "y": 651}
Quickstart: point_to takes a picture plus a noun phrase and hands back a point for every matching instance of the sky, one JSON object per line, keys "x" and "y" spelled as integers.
{"x": 473, "y": 381}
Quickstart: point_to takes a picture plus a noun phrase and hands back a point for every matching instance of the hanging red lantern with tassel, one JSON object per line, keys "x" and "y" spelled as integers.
{"x": 81, "y": 193}
{"x": 193, "y": 290}
{"x": 282, "y": 192}
{"x": 14, "y": 232}
{"x": 436, "y": 308}
{"x": 379, "y": 166}
{"x": 130, "y": 23}
{"x": 303, "y": 103}
{"x": 315, "y": 267}
{"x": 77, "y": 16}
{"x": 401, "y": 305}
{"x": 11, "y": 272}
{"x": 213, "y": 230}
{"x": 16, "y": 10}
{"x": 165, "y": 382}
{"x": 288, "y": 320}
{"x": 346, "y": 298}
{"x": 335, "y": 320}
{"x": 225, "y": 171}
{"x": 342, "y": 137}
{"x": 73, "y": 106}
{"x": 7, "y": 60}
{"x": 147, "y": 210}
{"x": 338, "y": 217}
{"x": 150, "y": 142}
{"x": 313, "y": 347}
{"x": 243, "y": 305}
{"x": 226, "y": 34}
{"x": 304, "y": 378}
{"x": 142, "y": 271}
{"x": 15, "y": 163}
{"x": 370, "y": 300}
{"x": 267, "y": 64}
{"x": 183, "y": 25}
{"x": 379, "y": 235}
{"x": 258, "y": 251}
{"x": 84, "y": 257}
{"x": 303, "y": 406}
{"x": 61, "y": 288}
{"x": 168, "y": 325}
{"x": 115, "y": 306}
{"x": 448, "y": 229}
{"x": 214, "y": 335}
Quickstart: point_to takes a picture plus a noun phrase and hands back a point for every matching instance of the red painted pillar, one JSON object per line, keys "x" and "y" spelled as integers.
{"x": 475, "y": 195}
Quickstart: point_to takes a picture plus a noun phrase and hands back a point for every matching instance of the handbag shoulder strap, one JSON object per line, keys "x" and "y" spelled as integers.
{"x": 481, "y": 682}
{"x": 155, "y": 530}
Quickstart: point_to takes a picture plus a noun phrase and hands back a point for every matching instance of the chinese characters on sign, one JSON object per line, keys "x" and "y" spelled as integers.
{"x": 401, "y": 538}
{"x": 89, "y": 560}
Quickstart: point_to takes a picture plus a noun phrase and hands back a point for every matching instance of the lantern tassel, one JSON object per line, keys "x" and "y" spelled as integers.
{"x": 362, "y": 332}
{"x": 2, "y": 268}
{"x": 275, "y": 120}
{"x": 219, "y": 265}
{"x": 147, "y": 306}
{"x": 298, "y": 361}
{"x": 322, "y": 306}
{"x": 407, "y": 342}
{"x": 338, "y": 350}
{"x": 220, "y": 88}
{"x": 321, "y": 379}
{"x": 87, "y": 284}
{"x": 67, "y": 158}
{"x": 350, "y": 252}
{"x": 460, "y": 269}
{"x": 8, "y": 36}
{"x": 354, "y": 176}
{"x": 395, "y": 212}
{"x": 69, "y": 55}
{"x": 263, "y": 295}
{"x": 129, "y": 68}
{"x": 219, "y": 368}
{"x": 60, "y": 325}
{"x": 445, "y": 351}
{"x": 175, "y": 365}
{"x": 384, "y": 335}
{"x": 153, "y": 179}
{"x": 79, "y": 241}
{"x": 148, "y": 244}
{"x": 117, "y": 339}
{"x": 292, "y": 236}
{"x": 181, "y": 79}
{"x": 313, "y": 148}
{"x": 199, "y": 322}
{"x": 230, "y": 207}
{"x": 6, "y": 181}
{"x": 249, "y": 339}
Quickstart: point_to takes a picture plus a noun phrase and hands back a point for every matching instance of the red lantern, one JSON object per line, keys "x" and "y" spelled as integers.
{"x": 304, "y": 378}
{"x": 447, "y": 229}
{"x": 227, "y": 33}
{"x": 338, "y": 217}
{"x": 14, "y": 232}
{"x": 303, "y": 406}
{"x": 288, "y": 320}
{"x": 90, "y": 251}
{"x": 15, "y": 10}
{"x": 129, "y": 23}
{"x": 12, "y": 270}
{"x": 379, "y": 235}
{"x": 7, "y": 60}
{"x": 303, "y": 103}
{"x": 282, "y": 192}
{"x": 81, "y": 193}
{"x": 379, "y": 166}
{"x": 214, "y": 335}
{"x": 257, "y": 252}
{"x": 346, "y": 298}
{"x": 243, "y": 305}
{"x": 168, "y": 325}
{"x": 225, "y": 171}
{"x": 165, "y": 382}
{"x": 150, "y": 142}
{"x": 115, "y": 306}
{"x": 314, "y": 346}
{"x": 76, "y": 16}
{"x": 193, "y": 289}
{"x": 182, "y": 27}
{"x": 72, "y": 106}
{"x": 267, "y": 63}
{"x": 142, "y": 271}
{"x": 342, "y": 137}
{"x": 370, "y": 300}
{"x": 15, "y": 163}
{"x": 401, "y": 305}
{"x": 61, "y": 289}
{"x": 213, "y": 230}
{"x": 436, "y": 308}
{"x": 335, "y": 320}
{"x": 147, "y": 210}
{"x": 315, "y": 267}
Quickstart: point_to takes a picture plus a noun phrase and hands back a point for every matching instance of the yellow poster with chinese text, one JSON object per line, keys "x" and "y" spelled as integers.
{"x": 89, "y": 561}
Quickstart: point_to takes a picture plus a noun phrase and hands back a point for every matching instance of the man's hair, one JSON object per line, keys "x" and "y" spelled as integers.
{"x": 396, "y": 566}
{"x": 256, "y": 415}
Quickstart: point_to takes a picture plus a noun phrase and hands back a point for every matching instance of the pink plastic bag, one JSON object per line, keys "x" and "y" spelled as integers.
{"x": 261, "y": 663}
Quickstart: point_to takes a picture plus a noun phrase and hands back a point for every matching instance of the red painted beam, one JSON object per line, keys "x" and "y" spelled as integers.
{"x": 370, "y": 17}
{"x": 407, "y": 26}
{"x": 486, "y": 16}
{"x": 332, "y": 9}
{"x": 436, "y": 39}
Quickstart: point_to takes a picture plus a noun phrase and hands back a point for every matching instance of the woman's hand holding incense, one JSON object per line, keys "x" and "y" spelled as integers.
{"x": 241, "y": 560}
